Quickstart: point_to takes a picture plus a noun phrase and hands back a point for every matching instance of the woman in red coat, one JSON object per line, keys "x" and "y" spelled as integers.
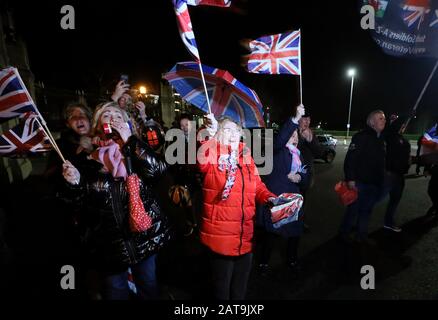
{"x": 231, "y": 188}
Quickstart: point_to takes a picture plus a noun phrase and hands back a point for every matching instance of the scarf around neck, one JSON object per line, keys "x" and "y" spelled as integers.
{"x": 112, "y": 159}
{"x": 228, "y": 163}
{"x": 296, "y": 161}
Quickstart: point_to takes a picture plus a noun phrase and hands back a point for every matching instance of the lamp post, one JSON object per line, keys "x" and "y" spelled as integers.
{"x": 351, "y": 73}
{"x": 142, "y": 90}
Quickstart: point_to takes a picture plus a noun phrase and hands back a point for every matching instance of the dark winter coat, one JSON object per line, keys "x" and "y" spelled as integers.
{"x": 365, "y": 160}
{"x": 398, "y": 151}
{"x": 279, "y": 183}
{"x": 112, "y": 246}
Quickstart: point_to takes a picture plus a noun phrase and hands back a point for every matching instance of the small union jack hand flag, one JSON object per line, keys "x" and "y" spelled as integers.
{"x": 275, "y": 54}
{"x": 14, "y": 99}
{"x": 26, "y": 137}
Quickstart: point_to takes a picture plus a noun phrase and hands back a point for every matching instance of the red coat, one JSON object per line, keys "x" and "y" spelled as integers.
{"x": 227, "y": 226}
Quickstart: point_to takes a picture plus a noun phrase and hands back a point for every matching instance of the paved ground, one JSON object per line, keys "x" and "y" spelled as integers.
{"x": 405, "y": 264}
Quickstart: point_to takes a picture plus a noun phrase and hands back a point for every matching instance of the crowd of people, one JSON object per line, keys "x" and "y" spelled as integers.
{"x": 109, "y": 190}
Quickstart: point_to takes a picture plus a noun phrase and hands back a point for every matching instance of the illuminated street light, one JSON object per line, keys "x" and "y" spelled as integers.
{"x": 352, "y": 74}
{"x": 142, "y": 90}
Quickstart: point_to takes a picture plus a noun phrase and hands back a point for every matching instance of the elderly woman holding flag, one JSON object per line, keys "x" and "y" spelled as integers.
{"x": 127, "y": 226}
{"x": 289, "y": 175}
{"x": 231, "y": 188}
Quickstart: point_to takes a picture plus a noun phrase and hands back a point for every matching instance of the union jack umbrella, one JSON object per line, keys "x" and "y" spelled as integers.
{"x": 227, "y": 95}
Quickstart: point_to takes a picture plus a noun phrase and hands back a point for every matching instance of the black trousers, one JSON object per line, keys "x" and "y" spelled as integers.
{"x": 396, "y": 185}
{"x": 268, "y": 243}
{"x": 230, "y": 276}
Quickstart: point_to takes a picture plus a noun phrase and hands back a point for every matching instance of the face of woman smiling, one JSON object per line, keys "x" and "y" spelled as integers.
{"x": 109, "y": 115}
{"x": 294, "y": 138}
{"x": 79, "y": 122}
{"x": 231, "y": 133}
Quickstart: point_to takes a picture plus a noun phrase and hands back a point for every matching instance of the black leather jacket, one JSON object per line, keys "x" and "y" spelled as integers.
{"x": 111, "y": 244}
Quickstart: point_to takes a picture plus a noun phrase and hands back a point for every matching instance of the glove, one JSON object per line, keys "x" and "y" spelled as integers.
{"x": 212, "y": 125}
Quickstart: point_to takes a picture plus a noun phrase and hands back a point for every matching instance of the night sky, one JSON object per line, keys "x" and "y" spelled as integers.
{"x": 140, "y": 38}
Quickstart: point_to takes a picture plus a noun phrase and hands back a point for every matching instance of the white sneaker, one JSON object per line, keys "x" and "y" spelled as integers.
{"x": 393, "y": 228}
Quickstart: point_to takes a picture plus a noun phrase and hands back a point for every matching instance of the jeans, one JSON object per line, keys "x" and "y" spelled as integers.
{"x": 368, "y": 195}
{"x": 230, "y": 276}
{"x": 144, "y": 275}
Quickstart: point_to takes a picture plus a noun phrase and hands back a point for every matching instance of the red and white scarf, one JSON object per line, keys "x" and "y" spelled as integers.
{"x": 112, "y": 159}
{"x": 228, "y": 163}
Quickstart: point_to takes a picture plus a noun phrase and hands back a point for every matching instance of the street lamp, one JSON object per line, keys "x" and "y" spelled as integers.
{"x": 142, "y": 90}
{"x": 351, "y": 73}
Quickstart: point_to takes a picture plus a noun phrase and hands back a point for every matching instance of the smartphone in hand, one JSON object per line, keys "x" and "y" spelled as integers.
{"x": 124, "y": 78}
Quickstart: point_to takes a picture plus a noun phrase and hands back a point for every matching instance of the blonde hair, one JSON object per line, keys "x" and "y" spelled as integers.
{"x": 98, "y": 112}
{"x": 224, "y": 119}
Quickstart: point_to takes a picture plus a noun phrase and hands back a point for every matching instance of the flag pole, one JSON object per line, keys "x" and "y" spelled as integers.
{"x": 414, "y": 109}
{"x": 301, "y": 71}
{"x": 204, "y": 83}
{"x": 54, "y": 145}
{"x": 44, "y": 123}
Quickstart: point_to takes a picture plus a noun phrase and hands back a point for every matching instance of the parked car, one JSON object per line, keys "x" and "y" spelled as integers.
{"x": 328, "y": 145}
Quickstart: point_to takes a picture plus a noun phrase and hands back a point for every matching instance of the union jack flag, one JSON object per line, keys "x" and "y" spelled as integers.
{"x": 431, "y": 134}
{"x": 27, "y": 136}
{"x": 415, "y": 12}
{"x": 131, "y": 283}
{"x": 185, "y": 23}
{"x": 434, "y": 22}
{"x": 217, "y": 3}
{"x": 185, "y": 27}
{"x": 276, "y": 54}
{"x": 14, "y": 98}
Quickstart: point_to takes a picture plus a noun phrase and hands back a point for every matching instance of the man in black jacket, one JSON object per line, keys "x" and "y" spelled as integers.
{"x": 398, "y": 161}
{"x": 310, "y": 149}
{"x": 364, "y": 169}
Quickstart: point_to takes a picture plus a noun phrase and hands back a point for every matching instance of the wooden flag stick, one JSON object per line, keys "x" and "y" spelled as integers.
{"x": 52, "y": 142}
{"x": 44, "y": 123}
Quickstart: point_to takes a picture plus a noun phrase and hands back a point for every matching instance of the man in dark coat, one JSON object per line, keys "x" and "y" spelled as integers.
{"x": 310, "y": 149}
{"x": 398, "y": 160}
{"x": 364, "y": 169}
